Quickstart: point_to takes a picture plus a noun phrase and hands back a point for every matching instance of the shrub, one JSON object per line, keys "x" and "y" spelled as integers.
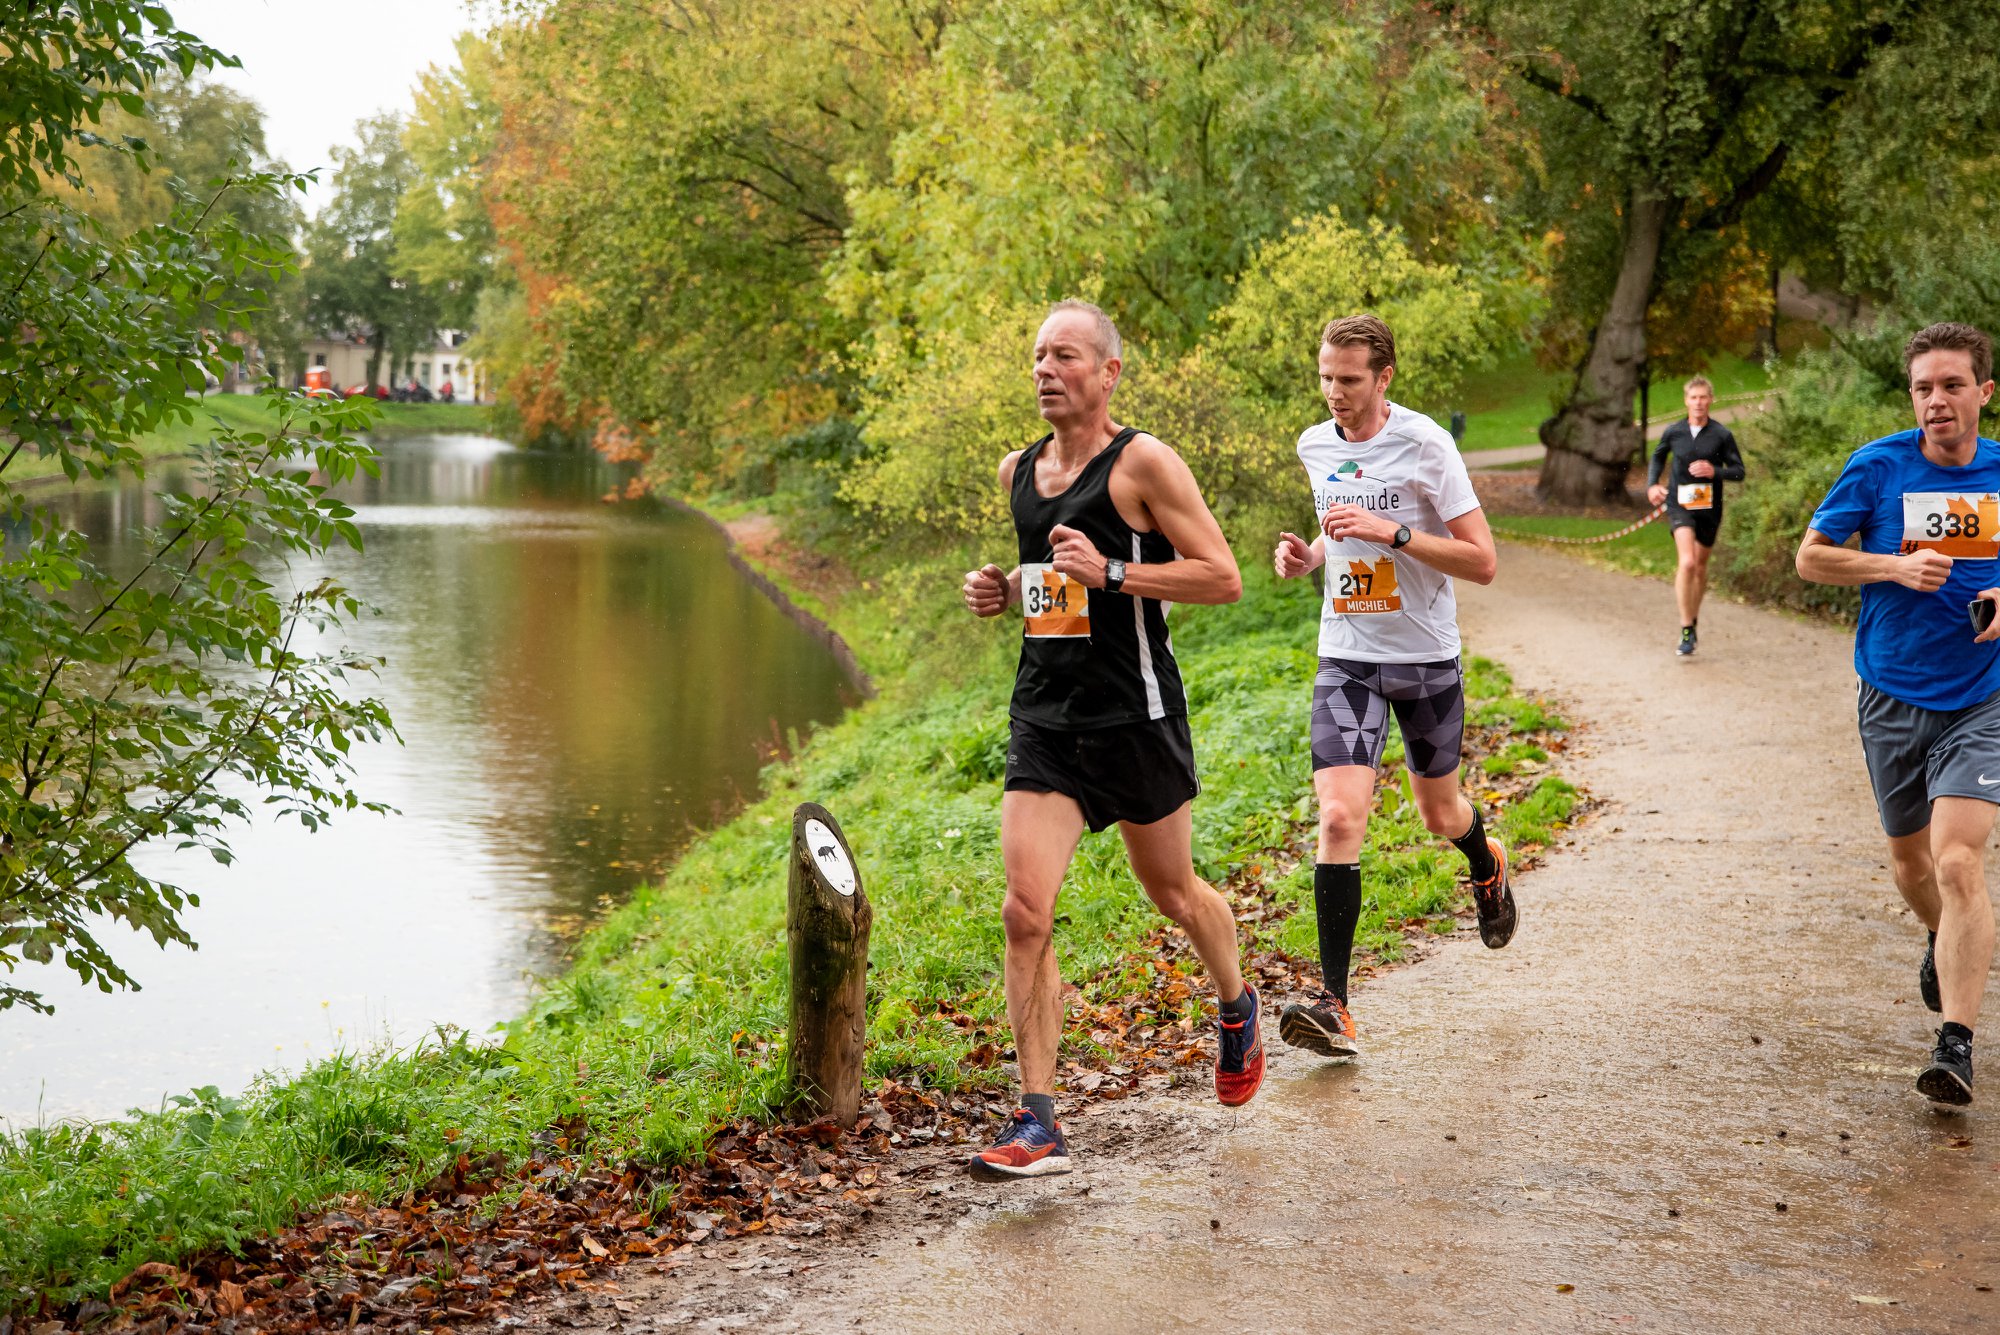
{"x": 1828, "y": 405}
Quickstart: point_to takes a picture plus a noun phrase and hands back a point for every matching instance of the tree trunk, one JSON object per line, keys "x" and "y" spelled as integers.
{"x": 375, "y": 362}
{"x": 1592, "y": 441}
{"x": 827, "y": 920}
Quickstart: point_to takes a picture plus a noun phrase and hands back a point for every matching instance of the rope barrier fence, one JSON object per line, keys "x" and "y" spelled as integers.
{"x": 1631, "y": 528}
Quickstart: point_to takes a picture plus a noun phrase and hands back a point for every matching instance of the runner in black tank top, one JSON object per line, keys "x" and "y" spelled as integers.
{"x": 1112, "y": 531}
{"x": 1123, "y": 670}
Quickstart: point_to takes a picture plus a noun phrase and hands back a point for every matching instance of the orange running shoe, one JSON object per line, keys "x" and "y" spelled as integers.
{"x": 1322, "y": 1025}
{"x": 1239, "y": 1056}
{"x": 1025, "y": 1149}
{"x": 1494, "y": 898}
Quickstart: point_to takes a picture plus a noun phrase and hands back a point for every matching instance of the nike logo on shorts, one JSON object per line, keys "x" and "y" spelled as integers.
{"x": 1985, "y": 782}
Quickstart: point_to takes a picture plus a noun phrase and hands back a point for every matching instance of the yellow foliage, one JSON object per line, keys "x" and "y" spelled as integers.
{"x": 1445, "y": 320}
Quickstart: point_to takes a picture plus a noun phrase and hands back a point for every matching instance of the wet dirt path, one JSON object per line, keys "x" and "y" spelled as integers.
{"x": 1684, "y": 1090}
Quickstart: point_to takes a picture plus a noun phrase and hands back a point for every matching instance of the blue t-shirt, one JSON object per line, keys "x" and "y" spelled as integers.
{"x": 1917, "y": 647}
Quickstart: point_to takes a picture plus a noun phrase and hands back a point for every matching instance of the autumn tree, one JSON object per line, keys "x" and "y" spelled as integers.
{"x": 158, "y": 698}
{"x": 1662, "y": 125}
{"x": 357, "y": 279}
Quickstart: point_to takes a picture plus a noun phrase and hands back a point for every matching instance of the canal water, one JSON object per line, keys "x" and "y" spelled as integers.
{"x": 580, "y": 688}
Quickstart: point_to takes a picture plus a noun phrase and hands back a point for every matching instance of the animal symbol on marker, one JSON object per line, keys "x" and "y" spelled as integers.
{"x": 830, "y": 853}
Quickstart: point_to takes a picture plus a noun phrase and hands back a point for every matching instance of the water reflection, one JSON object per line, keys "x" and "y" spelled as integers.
{"x": 580, "y": 687}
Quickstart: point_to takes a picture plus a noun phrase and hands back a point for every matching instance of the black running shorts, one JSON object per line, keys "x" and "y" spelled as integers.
{"x": 1350, "y": 714}
{"x": 1707, "y": 524}
{"x": 1136, "y": 772}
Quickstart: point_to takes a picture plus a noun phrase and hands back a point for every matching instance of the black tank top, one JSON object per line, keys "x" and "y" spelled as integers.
{"x": 1123, "y": 671}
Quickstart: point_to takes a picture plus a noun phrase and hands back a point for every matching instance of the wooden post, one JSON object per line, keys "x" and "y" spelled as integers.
{"x": 827, "y": 920}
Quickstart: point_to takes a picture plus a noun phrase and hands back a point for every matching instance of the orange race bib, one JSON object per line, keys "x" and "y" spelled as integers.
{"x": 1696, "y": 496}
{"x": 1955, "y": 524}
{"x": 1361, "y": 589}
{"x": 1056, "y": 606}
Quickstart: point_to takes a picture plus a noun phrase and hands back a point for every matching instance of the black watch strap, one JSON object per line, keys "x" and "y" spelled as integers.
{"x": 1402, "y": 536}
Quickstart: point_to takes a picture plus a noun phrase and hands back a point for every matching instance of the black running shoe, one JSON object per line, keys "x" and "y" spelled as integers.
{"x": 1322, "y": 1025}
{"x": 1686, "y": 647}
{"x": 1948, "y": 1079}
{"x": 1927, "y": 982}
{"x": 1494, "y": 898}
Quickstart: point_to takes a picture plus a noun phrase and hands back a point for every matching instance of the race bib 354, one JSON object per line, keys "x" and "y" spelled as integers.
{"x": 1697, "y": 496}
{"x": 1056, "y": 606}
{"x": 1956, "y": 524}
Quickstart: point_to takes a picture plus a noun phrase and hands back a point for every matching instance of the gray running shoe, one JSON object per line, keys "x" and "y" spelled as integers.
{"x": 1686, "y": 647}
{"x": 1948, "y": 1079}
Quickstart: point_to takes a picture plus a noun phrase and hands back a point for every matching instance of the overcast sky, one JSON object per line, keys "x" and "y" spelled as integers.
{"x": 316, "y": 67}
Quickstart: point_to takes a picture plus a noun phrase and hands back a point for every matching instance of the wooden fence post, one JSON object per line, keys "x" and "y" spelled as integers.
{"x": 827, "y": 921}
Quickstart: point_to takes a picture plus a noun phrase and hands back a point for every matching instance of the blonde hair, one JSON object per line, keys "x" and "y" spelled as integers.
{"x": 1363, "y": 331}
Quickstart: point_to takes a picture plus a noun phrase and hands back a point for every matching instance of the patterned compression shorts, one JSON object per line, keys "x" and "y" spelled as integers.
{"x": 1350, "y": 714}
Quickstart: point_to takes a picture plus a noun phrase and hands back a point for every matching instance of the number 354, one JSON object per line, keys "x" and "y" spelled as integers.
{"x": 1041, "y": 600}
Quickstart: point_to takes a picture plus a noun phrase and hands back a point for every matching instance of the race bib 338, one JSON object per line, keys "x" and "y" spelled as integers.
{"x": 1955, "y": 524}
{"x": 1056, "y": 606}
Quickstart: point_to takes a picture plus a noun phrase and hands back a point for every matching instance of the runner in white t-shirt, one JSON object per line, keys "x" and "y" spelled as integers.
{"x": 1398, "y": 521}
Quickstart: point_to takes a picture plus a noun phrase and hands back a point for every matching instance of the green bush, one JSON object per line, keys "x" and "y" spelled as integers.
{"x": 1828, "y": 405}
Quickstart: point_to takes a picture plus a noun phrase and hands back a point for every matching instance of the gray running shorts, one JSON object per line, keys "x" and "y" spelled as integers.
{"x": 1916, "y": 756}
{"x": 1350, "y": 714}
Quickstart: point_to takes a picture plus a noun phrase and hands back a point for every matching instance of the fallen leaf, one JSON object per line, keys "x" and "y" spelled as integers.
{"x": 1565, "y": 1288}
{"x": 1873, "y": 1300}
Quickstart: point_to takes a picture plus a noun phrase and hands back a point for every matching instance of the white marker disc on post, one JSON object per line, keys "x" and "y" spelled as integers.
{"x": 831, "y": 856}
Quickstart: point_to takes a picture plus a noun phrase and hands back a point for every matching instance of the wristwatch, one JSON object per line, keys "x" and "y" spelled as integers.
{"x": 1402, "y": 536}
{"x": 1114, "y": 575}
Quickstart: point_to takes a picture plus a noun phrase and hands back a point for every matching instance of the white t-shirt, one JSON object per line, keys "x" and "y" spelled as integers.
{"x": 1383, "y": 606}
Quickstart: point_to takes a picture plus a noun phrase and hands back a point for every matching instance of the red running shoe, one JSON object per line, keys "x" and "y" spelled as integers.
{"x": 1025, "y": 1149}
{"x": 1239, "y": 1056}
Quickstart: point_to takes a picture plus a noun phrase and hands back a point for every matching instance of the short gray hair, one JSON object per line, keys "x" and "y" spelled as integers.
{"x": 1695, "y": 383}
{"x": 1109, "y": 345}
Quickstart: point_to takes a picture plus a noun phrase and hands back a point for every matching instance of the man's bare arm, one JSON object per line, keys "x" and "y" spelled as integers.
{"x": 1821, "y": 560}
{"x": 1206, "y": 572}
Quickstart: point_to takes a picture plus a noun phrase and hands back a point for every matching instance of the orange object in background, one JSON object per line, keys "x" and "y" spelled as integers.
{"x": 319, "y": 382}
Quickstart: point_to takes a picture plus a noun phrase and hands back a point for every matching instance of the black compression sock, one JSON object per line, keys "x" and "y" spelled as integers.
{"x": 1953, "y": 1029}
{"x": 1337, "y": 902}
{"x": 1478, "y": 853}
{"x": 1043, "y": 1106}
{"x": 1238, "y": 1010}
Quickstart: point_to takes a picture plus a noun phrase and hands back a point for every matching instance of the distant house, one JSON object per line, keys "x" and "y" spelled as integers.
{"x": 434, "y": 368}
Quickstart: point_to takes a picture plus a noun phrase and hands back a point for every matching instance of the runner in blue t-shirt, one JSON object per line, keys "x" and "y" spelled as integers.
{"x": 1926, "y": 504}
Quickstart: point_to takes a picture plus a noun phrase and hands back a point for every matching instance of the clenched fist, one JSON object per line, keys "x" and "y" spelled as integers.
{"x": 1923, "y": 570}
{"x": 1295, "y": 556}
{"x": 1077, "y": 557}
{"x": 986, "y": 591}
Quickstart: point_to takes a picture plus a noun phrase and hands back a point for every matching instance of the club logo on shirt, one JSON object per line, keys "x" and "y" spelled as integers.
{"x": 1347, "y": 472}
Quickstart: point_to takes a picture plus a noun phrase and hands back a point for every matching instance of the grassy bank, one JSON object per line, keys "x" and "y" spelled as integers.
{"x": 670, "y": 1025}
{"x": 246, "y": 412}
{"x": 1504, "y": 405}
